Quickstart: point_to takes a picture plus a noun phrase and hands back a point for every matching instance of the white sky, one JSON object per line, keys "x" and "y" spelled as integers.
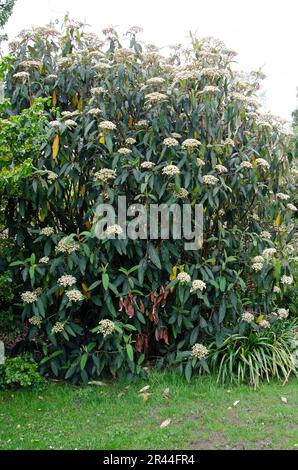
{"x": 263, "y": 32}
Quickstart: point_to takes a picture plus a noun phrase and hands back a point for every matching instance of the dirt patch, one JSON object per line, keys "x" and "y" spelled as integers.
{"x": 215, "y": 441}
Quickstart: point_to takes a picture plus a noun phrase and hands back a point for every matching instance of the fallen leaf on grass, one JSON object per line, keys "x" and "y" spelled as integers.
{"x": 144, "y": 389}
{"x": 284, "y": 400}
{"x": 236, "y": 402}
{"x": 166, "y": 394}
{"x": 145, "y": 396}
{"x": 165, "y": 423}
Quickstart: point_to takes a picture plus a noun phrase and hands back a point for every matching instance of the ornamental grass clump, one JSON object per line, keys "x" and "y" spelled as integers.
{"x": 100, "y": 118}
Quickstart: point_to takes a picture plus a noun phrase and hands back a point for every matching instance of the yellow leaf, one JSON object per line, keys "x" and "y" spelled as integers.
{"x": 174, "y": 273}
{"x": 85, "y": 290}
{"x": 58, "y": 293}
{"x": 196, "y": 135}
{"x": 54, "y": 98}
{"x": 48, "y": 206}
{"x": 75, "y": 100}
{"x": 102, "y": 140}
{"x": 278, "y": 220}
{"x": 42, "y": 216}
{"x": 130, "y": 122}
{"x": 80, "y": 105}
{"x": 260, "y": 318}
{"x": 31, "y": 101}
{"x": 253, "y": 161}
{"x": 55, "y": 147}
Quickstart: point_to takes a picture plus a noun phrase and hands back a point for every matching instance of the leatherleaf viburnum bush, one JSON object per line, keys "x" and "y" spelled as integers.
{"x": 119, "y": 119}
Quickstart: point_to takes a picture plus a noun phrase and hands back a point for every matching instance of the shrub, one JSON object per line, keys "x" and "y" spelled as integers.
{"x": 125, "y": 301}
{"x": 20, "y": 371}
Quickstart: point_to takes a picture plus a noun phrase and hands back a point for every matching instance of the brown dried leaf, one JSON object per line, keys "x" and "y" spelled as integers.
{"x": 145, "y": 396}
{"x": 166, "y": 394}
{"x": 165, "y": 423}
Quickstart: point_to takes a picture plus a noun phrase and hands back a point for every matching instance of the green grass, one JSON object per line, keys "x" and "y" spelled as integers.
{"x": 114, "y": 416}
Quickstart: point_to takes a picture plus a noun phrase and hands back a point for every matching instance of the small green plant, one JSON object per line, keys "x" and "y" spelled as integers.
{"x": 256, "y": 356}
{"x": 20, "y": 371}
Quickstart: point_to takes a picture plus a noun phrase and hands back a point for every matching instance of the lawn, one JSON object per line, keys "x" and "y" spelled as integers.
{"x": 115, "y": 416}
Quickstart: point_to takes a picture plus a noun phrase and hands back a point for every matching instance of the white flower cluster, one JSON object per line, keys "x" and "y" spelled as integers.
{"x": 282, "y": 196}
{"x": 106, "y": 327}
{"x": 210, "y": 89}
{"x": 107, "y": 125}
{"x": 66, "y": 245}
{"x": 229, "y": 141}
{"x": 35, "y": 321}
{"x": 70, "y": 123}
{"x": 262, "y": 163}
{"x": 264, "y": 324}
{"x": 199, "y": 351}
{"x": 58, "y": 327}
{"x": 142, "y": 123}
{"x": 288, "y": 280}
{"x": 156, "y": 97}
{"x": 212, "y": 72}
{"x": 114, "y": 230}
{"x": 147, "y": 165}
{"x": 184, "y": 278}
{"x": 97, "y": 91}
{"x": 184, "y": 75}
{"x": 51, "y": 177}
{"x": 74, "y": 295}
{"x": 105, "y": 174}
{"x": 246, "y": 165}
{"x": 257, "y": 266}
{"x": 55, "y": 124}
{"x": 291, "y": 207}
{"x": 44, "y": 260}
{"x": 130, "y": 141}
{"x": 197, "y": 284}
{"x": 282, "y": 313}
{"x": 182, "y": 193}
{"x": 265, "y": 234}
{"x": 191, "y": 143}
{"x": 269, "y": 252}
{"x": 22, "y": 76}
{"x": 200, "y": 162}
{"x": 171, "y": 170}
{"x": 221, "y": 169}
{"x": 47, "y": 231}
{"x": 30, "y": 64}
{"x": 155, "y": 81}
{"x": 247, "y": 317}
{"x": 94, "y": 111}
{"x": 210, "y": 180}
{"x": 29, "y": 297}
{"x": 66, "y": 280}
{"x": 170, "y": 142}
{"x": 124, "y": 151}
